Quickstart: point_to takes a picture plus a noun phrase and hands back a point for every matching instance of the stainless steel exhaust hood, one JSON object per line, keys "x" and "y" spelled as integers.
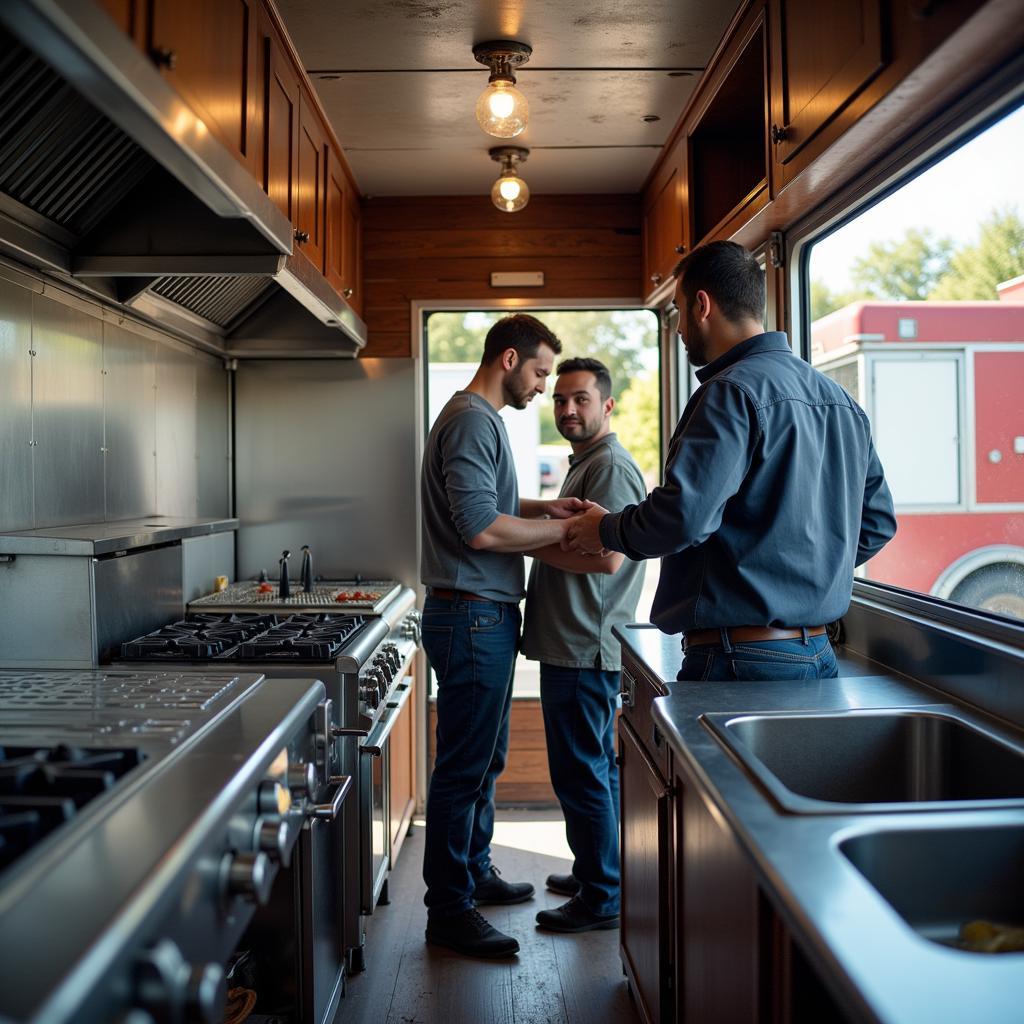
{"x": 103, "y": 179}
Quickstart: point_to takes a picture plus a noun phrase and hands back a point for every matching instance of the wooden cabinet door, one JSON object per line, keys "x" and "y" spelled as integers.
{"x": 665, "y": 221}
{"x": 130, "y": 16}
{"x": 337, "y": 186}
{"x": 310, "y": 181}
{"x": 207, "y": 51}
{"x": 352, "y": 248}
{"x": 403, "y": 770}
{"x": 281, "y": 130}
{"x": 646, "y": 854}
{"x": 822, "y": 56}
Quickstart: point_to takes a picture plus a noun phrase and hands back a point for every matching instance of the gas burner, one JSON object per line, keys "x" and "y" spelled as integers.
{"x": 197, "y": 638}
{"x": 303, "y": 637}
{"x": 43, "y": 787}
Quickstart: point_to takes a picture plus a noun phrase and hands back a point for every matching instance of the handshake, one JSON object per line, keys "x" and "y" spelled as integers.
{"x": 582, "y": 524}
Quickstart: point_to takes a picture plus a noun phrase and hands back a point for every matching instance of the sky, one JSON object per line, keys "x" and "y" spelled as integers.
{"x": 950, "y": 199}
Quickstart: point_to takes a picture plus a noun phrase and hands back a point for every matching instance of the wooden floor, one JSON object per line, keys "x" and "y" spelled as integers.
{"x": 556, "y": 979}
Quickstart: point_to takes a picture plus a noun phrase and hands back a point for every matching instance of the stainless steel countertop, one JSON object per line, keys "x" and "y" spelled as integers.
{"x": 878, "y": 966}
{"x": 102, "y": 538}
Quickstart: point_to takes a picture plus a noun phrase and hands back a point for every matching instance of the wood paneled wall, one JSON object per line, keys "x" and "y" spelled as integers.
{"x": 446, "y": 247}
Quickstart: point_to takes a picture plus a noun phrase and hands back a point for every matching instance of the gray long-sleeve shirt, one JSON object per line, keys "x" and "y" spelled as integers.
{"x": 467, "y": 480}
{"x": 772, "y": 494}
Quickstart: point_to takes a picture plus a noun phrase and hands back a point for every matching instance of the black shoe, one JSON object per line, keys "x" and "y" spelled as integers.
{"x": 492, "y": 888}
{"x": 567, "y": 885}
{"x": 471, "y": 934}
{"x": 575, "y": 917}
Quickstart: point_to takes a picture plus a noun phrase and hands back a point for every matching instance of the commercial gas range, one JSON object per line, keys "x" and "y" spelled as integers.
{"x": 144, "y": 818}
{"x": 363, "y": 660}
{"x": 370, "y": 597}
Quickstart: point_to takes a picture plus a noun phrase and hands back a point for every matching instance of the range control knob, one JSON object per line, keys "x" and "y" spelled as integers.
{"x": 273, "y": 798}
{"x": 206, "y": 994}
{"x": 410, "y": 627}
{"x": 249, "y": 875}
{"x": 370, "y": 694}
{"x": 383, "y": 666}
{"x": 394, "y": 656}
{"x": 302, "y": 778}
{"x": 273, "y": 838}
{"x": 161, "y": 982}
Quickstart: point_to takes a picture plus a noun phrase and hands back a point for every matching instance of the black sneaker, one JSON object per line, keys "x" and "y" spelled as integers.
{"x": 567, "y": 885}
{"x": 492, "y": 888}
{"x": 575, "y": 917}
{"x": 471, "y": 934}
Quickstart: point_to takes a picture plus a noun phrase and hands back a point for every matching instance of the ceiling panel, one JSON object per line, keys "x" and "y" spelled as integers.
{"x": 398, "y": 77}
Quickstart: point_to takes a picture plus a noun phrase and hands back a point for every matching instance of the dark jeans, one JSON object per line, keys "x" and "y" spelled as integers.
{"x": 579, "y": 724}
{"x": 808, "y": 658}
{"x": 472, "y": 649}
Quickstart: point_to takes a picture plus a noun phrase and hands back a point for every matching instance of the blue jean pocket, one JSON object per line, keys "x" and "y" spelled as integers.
{"x": 437, "y": 642}
{"x": 778, "y": 669}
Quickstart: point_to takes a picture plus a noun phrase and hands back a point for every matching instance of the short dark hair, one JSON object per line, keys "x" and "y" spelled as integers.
{"x": 522, "y": 332}
{"x": 594, "y": 366}
{"x": 729, "y": 274}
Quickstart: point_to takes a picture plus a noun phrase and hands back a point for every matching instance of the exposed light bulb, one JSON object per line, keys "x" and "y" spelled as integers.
{"x": 510, "y": 193}
{"x": 502, "y": 110}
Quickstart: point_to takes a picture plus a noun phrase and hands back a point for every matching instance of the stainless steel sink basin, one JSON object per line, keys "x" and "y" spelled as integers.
{"x": 937, "y": 880}
{"x": 881, "y": 760}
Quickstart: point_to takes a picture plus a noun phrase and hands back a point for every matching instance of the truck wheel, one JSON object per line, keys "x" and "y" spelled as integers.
{"x": 996, "y": 588}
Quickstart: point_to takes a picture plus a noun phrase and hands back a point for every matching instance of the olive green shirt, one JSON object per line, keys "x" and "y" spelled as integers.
{"x": 569, "y": 616}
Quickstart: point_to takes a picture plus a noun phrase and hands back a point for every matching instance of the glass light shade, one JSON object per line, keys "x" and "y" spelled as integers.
{"x": 502, "y": 110}
{"x": 510, "y": 193}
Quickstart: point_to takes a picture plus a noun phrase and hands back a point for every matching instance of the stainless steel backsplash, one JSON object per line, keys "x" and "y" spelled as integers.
{"x": 101, "y": 420}
{"x": 326, "y": 456}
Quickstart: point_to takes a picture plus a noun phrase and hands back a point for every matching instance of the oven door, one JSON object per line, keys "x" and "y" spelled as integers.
{"x": 375, "y": 800}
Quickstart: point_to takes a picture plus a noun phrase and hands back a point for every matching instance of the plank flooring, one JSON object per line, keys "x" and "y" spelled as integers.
{"x": 556, "y": 979}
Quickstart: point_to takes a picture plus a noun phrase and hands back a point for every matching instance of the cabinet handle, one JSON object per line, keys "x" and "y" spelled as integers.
{"x": 163, "y": 57}
{"x": 347, "y": 293}
{"x": 779, "y": 134}
{"x": 656, "y": 278}
{"x": 680, "y": 248}
{"x": 301, "y": 236}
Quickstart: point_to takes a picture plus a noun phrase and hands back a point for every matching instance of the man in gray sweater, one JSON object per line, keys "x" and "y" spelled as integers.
{"x": 474, "y": 530}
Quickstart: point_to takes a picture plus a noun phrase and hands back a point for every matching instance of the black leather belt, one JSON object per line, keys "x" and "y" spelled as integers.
{"x": 746, "y": 635}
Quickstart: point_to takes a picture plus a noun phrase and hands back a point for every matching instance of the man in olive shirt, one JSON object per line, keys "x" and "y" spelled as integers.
{"x": 572, "y": 603}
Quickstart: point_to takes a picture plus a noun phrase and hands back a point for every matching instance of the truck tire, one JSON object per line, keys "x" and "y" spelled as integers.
{"x": 995, "y": 588}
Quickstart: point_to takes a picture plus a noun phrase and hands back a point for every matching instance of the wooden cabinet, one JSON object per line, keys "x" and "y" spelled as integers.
{"x": 130, "y": 16}
{"x": 666, "y": 234}
{"x": 728, "y": 134}
{"x": 281, "y": 130}
{"x": 343, "y": 234}
{"x": 403, "y": 771}
{"x": 822, "y": 57}
{"x": 646, "y": 858}
{"x": 208, "y": 52}
{"x": 311, "y": 175}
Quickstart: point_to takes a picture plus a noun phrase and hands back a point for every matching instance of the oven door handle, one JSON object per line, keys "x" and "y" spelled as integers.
{"x": 329, "y": 811}
{"x": 393, "y": 709}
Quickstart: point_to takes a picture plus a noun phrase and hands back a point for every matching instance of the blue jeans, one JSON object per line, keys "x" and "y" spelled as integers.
{"x": 809, "y": 658}
{"x": 579, "y": 725}
{"x": 472, "y": 649}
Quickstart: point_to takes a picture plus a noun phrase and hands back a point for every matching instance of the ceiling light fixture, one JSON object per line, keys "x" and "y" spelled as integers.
{"x": 510, "y": 193}
{"x": 502, "y": 110}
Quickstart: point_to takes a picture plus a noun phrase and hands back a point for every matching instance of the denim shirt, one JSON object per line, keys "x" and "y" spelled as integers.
{"x": 772, "y": 494}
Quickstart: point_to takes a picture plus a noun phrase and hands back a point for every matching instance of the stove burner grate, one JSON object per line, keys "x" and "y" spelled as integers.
{"x": 42, "y": 787}
{"x": 197, "y": 638}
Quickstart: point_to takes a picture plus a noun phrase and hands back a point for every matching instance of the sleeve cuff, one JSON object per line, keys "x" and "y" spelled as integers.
{"x": 609, "y": 532}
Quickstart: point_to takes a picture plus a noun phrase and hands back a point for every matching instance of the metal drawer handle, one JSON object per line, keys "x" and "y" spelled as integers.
{"x": 628, "y": 690}
{"x": 329, "y": 811}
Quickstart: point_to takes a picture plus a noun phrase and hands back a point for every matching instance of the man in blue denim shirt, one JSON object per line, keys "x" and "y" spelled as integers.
{"x": 772, "y": 494}
{"x": 474, "y": 530}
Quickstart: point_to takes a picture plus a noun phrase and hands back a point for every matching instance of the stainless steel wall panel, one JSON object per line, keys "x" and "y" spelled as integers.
{"x": 203, "y": 560}
{"x": 129, "y": 403}
{"x": 15, "y": 407}
{"x": 176, "y": 423}
{"x": 326, "y": 456}
{"x": 51, "y": 589}
{"x": 212, "y": 417}
{"x": 67, "y": 414}
{"x": 136, "y": 593}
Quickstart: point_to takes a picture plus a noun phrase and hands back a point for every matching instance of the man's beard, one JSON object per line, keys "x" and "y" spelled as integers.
{"x": 583, "y": 431}
{"x": 696, "y": 350}
{"x": 517, "y": 392}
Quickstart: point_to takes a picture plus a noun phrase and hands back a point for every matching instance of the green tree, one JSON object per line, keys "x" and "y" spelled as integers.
{"x": 636, "y": 421}
{"x": 825, "y": 301}
{"x": 997, "y": 256}
{"x": 906, "y": 269}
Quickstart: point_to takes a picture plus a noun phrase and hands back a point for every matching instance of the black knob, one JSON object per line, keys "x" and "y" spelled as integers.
{"x": 302, "y": 778}
{"x": 301, "y": 236}
{"x": 680, "y": 248}
{"x": 347, "y": 293}
{"x": 164, "y": 57}
{"x": 249, "y": 875}
{"x": 206, "y": 994}
{"x": 778, "y": 134}
{"x": 307, "y": 568}
{"x": 272, "y": 838}
{"x": 656, "y": 278}
{"x": 263, "y": 576}
{"x": 285, "y": 587}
